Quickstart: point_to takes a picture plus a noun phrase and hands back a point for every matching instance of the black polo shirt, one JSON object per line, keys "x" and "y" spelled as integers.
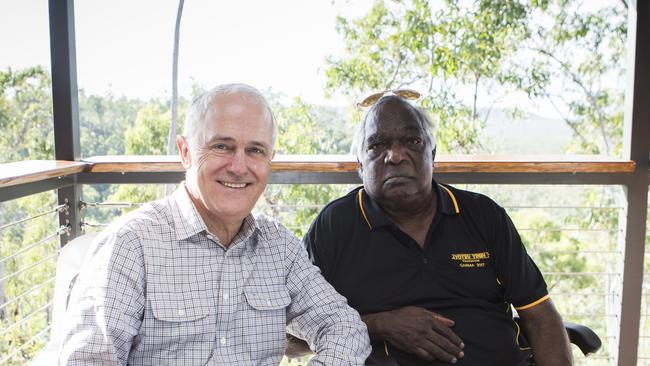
{"x": 472, "y": 267}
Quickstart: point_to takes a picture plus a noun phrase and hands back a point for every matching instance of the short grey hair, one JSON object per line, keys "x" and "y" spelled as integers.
{"x": 196, "y": 113}
{"x": 360, "y": 130}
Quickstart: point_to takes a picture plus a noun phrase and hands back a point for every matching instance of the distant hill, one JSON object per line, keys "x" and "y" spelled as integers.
{"x": 533, "y": 134}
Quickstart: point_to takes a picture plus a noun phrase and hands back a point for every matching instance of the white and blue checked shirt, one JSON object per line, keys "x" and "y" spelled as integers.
{"x": 158, "y": 289}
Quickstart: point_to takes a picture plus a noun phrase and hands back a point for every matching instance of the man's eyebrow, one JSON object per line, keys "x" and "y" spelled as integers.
{"x": 220, "y": 139}
{"x": 217, "y": 138}
{"x": 259, "y": 144}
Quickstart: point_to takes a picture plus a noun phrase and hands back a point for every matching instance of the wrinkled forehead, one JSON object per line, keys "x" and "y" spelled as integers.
{"x": 232, "y": 116}
{"x": 392, "y": 117}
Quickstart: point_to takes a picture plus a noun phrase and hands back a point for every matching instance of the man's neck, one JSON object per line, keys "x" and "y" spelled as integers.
{"x": 224, "y": 230}
{"x": 415, "y": 221}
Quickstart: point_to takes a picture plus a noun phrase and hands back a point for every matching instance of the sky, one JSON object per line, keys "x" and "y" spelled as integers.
{"x": 125, "y": 47}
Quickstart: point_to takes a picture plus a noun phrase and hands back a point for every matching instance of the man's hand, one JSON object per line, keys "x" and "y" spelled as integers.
{"x": 296, "y": 347}
{"x": 418, "y": 331}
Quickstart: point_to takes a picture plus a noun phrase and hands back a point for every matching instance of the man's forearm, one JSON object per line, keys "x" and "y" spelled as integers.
{"x": 545, "y": 330}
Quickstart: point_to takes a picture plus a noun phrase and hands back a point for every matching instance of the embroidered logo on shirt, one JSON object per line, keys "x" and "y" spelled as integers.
{"x": 471, "y": 260}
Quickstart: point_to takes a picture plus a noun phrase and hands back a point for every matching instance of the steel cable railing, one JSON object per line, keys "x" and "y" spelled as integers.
{"x": 59, "y": 208}
{"x": 591, "y": 315}
{"x": 25, "y": 344}
{"x": 25, "y": 318}
{"x": 24, "y": 294}
{"x": 34, "y": 245}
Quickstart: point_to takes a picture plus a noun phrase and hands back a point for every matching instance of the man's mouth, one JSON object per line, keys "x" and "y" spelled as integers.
{"x": 233, "y": 185}
{"x": 397, "y": 178}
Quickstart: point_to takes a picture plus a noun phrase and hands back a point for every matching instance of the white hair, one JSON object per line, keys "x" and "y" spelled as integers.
{"x": 195, "y": 118}
{"x": 360, "y": 129}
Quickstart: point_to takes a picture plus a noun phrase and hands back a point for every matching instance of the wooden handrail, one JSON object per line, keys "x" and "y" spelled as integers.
{"x": 28, "y": 171}
{"x": 348, "y": 163}
{"x": 37, "y": 170}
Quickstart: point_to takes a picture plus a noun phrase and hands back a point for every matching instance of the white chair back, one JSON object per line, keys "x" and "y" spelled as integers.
{"x": 68, "y": 265}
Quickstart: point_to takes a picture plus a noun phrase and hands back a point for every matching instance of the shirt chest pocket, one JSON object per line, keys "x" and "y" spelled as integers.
{"x": 179, "y": 326}
{"x": 174, "y": 308}
{"x": 267, "y": 297}
{"x": 265, "y": 319}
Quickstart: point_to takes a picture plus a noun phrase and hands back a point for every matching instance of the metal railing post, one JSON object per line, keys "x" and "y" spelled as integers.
{"x": 65, "y": 106}
{"x": 637, "y": 147}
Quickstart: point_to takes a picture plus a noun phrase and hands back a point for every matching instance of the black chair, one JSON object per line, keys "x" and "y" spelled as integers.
{"x": 582, "y": 336}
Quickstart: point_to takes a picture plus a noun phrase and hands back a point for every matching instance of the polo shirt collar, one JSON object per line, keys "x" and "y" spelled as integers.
{"x": 447, "y": 203}
{"x": 375, "y": 217}
{"x": 188, "y": 222}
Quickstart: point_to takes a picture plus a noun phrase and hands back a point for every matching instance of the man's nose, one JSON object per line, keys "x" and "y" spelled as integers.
{"x": 238, "y": 164}
{"x": 394, "y": 154}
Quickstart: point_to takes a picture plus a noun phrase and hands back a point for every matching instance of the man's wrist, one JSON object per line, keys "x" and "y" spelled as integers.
{"x": 376, "y": 324}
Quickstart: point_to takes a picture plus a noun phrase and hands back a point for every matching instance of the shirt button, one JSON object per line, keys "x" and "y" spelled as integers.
{"x": 210, "y": 237}
{"x": 425, "y": 261}
{"x": 225, "y": 295}
{"x": 223, "y": 341}
{"x": 181, "y": 312}
{"x": 268, "y": 302}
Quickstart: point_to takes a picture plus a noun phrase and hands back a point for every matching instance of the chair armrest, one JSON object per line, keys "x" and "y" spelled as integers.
{"x": 583, "y": 337}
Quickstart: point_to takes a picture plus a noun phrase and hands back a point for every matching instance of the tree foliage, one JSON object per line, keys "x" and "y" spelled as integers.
{"x": 467, "y": 54}
{"x": 26, "y": 115}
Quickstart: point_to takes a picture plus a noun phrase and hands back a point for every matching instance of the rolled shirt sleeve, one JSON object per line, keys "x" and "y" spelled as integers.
{"x": 320, "y": 315}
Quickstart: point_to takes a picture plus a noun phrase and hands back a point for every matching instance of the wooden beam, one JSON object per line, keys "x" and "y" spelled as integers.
{"x": 347, "y": 163}
{"x": 37, "y": 170}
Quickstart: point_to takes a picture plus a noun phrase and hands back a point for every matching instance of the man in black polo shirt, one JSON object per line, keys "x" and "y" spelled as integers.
{"x": 432, "y": 269}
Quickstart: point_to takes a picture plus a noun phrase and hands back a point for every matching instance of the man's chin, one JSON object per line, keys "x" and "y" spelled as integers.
{"x": 399, "y": 186}
{"x": 400, "y": 193}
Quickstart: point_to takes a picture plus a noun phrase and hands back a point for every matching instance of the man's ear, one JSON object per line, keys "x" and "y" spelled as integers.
{"x": 184, "y": 150}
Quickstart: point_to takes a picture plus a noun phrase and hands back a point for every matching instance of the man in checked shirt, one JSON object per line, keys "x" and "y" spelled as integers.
{"x": 195, "y": 278}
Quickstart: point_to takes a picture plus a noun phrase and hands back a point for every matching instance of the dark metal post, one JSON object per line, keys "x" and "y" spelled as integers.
{"x": 637, "y": 140}
{"x": 65, "y": 105}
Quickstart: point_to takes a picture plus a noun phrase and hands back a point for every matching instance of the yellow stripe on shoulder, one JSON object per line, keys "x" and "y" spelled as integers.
{"x": 453, "y": 198}
{"x": 532, "y": 303}
{"x": 363, "y": 212}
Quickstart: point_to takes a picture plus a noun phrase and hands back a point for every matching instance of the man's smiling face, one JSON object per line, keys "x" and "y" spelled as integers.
{"x": 230, "y": 166}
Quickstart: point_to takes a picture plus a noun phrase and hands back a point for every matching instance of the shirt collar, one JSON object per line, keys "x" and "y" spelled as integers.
{"x": 188, "y": 222}
{"x": 375, "y": 217}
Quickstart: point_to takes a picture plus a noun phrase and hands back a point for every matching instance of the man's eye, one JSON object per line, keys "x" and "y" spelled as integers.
{"x": 375, "y": 145}
{"x": 256, "y": 151}
{"x": 415, "y": 141}
{"x": 220, "y": 147}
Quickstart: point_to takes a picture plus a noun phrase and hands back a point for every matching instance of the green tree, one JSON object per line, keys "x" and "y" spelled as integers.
{"x": 26, "y": 115}
{"x": 441, "y": 48}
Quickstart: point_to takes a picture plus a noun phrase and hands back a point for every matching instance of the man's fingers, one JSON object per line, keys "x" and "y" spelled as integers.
{"x": 444, "y": 330}
{"x": 441, "y": 344}
{"x": 448, "y": 322}
{"x": 431, "y": 351}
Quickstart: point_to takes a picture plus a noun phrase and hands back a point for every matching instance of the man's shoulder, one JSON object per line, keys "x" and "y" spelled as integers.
{"x": 150, "y": 217}
{"x": 471, "y": 199}
{"x": 267, "y": 223}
